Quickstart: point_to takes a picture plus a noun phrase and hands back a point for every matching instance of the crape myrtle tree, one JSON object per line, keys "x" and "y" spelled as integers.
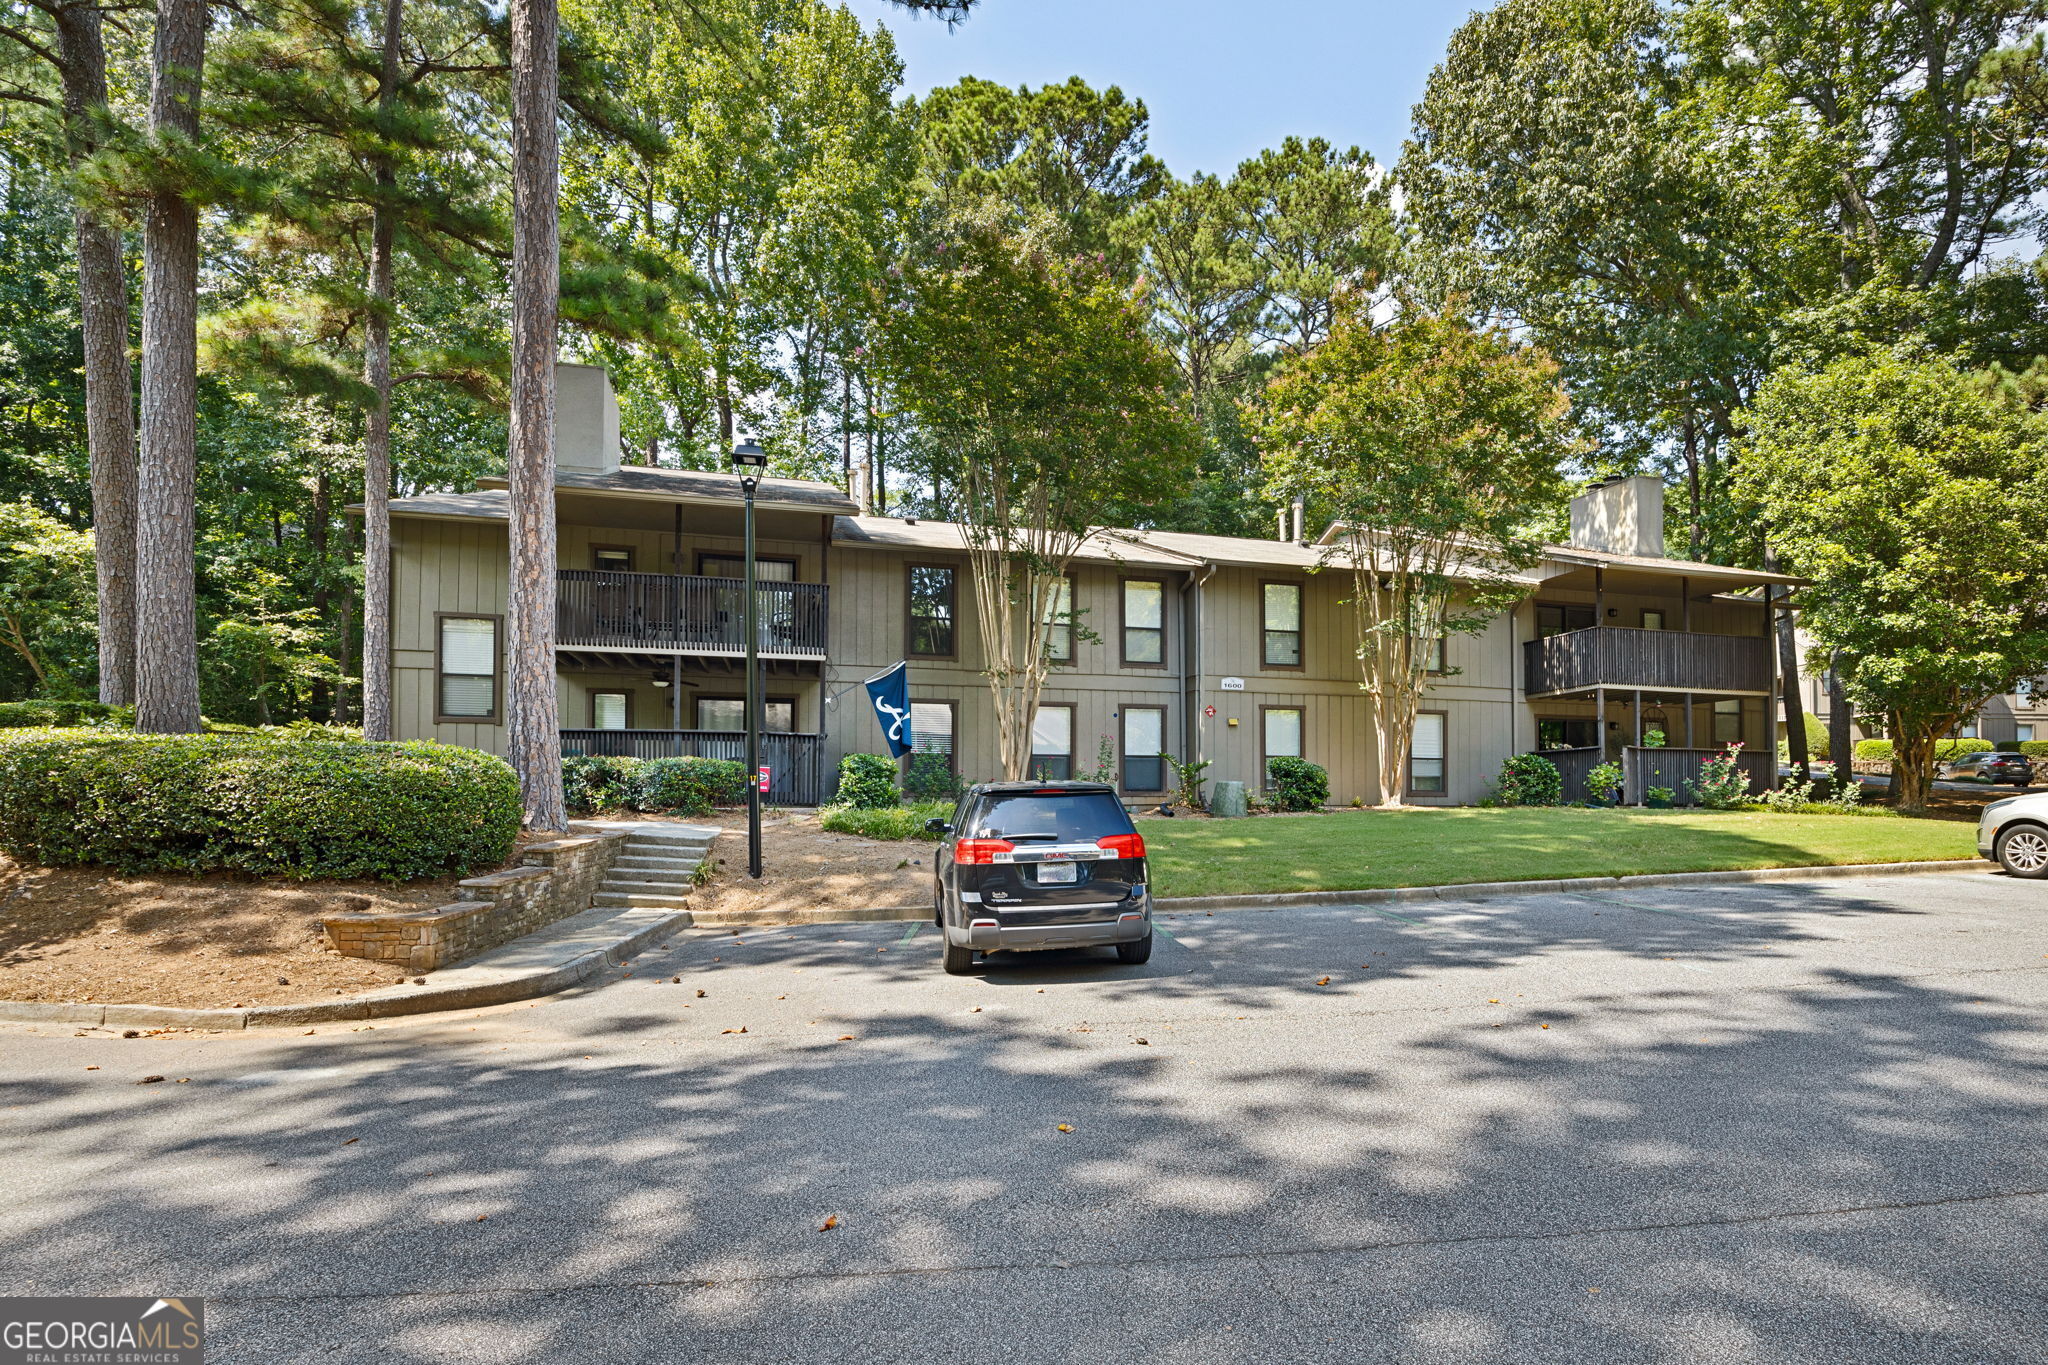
{"x": 1433, "y": 447}
{"x": 1908, "y": 491}
{"x": 1041, "y": 404}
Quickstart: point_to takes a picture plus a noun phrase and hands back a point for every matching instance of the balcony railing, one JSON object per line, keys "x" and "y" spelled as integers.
{"x": 795, "y": 762}
{"x": 1666, "y": 660}
{"x": 608, "y": 609}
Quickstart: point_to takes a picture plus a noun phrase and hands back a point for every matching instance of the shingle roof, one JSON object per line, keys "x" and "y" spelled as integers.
{"x": 1109, "y": 545}
{"x": 697, "y": 485}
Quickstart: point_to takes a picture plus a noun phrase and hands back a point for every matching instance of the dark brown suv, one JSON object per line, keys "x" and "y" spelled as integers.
{"x": 1994, "y": 767}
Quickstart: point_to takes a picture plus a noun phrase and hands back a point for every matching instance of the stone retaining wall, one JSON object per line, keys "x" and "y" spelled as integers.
{"x": 555, "y": 880}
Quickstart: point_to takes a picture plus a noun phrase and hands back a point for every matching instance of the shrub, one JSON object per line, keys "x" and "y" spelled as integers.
{"x": 1529, "y": 780}
{"x": 2034, "y": 748}
{"x": 1188, "y": 781}
{"x": 1721, "y": 784}
{"x": 929, "y": 778}
{"x": 594, "y": 782}
{"x": 1297, "y": 784}
{"x": 866, "y": 781}
{"x": 1604, "y": 782}
{"x": 886, "y": 822}
{"x": 38, "y": 715}
{"x": 1816, "y": 737}
{"x": 1945, "y": 750}
{"x": 196, "y": 803}
{"x": 688, "y": 786}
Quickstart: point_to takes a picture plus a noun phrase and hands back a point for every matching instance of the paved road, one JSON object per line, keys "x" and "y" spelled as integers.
{"x": 1764, "y": 1124}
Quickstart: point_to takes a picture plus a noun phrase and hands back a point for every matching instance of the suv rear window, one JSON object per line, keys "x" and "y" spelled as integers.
{"x": 1063, "y": 817}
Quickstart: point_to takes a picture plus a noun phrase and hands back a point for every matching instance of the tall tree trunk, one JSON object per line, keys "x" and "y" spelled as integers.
{"x": 109, "y": 396}
{"x": 321, "y": 698}
{"x": 1912, "y": 764}
{"x": 1788, "y": 670}
{"x": 377, "y": 723}
{"x": 1841, "y": 749}
{"x": 534, "y": 742}
{"x": 166, "y": 639}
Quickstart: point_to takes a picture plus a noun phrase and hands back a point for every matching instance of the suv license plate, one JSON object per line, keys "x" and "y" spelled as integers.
{"x": 1056, "y": 872}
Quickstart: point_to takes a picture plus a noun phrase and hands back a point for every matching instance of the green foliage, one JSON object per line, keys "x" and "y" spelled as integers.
{"x": 1605, "y": 781}
{"x": 1945, "y": 750}
{"x": 19, "y": 715}
{"x": 1297, "y": 784}
{"x": 1188, "y": 782}
{"x": 300, "y": 810}
{"x": 598, "y": 782}
{"x": 1721, "y": 784}
{"x": 885, "y": 822}
{"x": 1816, "y": 737}
{"x": 688, "y": 786}
{"x": 1659, "y": 796}
{"x": 866, "y": 782}
{"x": 2034, "y": 748}
{"x": 1910, "y": 497}
{"x": 1653, "y": 738}
{"x": 1529, "y": 780}
{"x": 930, "y": 778}
{"x": 47, "y": 605}
{"x": 1105, "y": 763}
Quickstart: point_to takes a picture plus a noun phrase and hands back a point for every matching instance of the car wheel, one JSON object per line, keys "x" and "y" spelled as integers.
{"x": 958, "y": 959}
{"x": 1141, "y": 951}
{"x": 2023, "y": 851}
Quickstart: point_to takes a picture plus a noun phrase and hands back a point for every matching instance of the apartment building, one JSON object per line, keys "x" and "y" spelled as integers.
{"x": 1227, "y": 649}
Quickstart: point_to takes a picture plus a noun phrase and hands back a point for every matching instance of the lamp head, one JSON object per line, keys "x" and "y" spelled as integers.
{"x": 748, "y": 457}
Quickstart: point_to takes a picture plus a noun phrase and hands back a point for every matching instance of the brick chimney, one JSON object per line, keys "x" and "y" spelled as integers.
{"x": 1621, "y": 516}
{"x": 586, "y": 420}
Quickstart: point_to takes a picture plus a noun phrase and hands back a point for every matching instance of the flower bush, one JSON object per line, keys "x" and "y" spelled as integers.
{"x": 1529, "y": 780}
{"x": 199, "y": 803}
{"x": 1721, "y": 785}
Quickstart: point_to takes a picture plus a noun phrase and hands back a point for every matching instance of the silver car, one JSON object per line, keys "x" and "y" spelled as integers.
{"x": 2014, "y": 834}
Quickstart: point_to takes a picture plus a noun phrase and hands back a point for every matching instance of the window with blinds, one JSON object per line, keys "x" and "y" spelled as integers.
{"x": 608, "y": 710}
{"x": 1426, "y": 755}
{"x": 1052, "y": 742}
{"x": 1282, "y": 732}
{"x": 468, "y": 681}
{"x": 931, "y": 729}
{"x": 1144, "y": 740}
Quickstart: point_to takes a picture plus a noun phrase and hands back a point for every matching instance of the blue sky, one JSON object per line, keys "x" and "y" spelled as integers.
{"x": 1221, "y": 78}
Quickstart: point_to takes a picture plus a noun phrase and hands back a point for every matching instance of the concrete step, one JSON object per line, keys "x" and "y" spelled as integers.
{"x": 639, "y": 840}
{"x": 635, "y": 860}
{"x": 623, "y": 899}
{"x": 667, "y": 885}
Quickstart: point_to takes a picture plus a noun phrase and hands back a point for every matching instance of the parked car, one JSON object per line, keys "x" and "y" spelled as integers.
{"x": 1994, "y": 767}
{"x": 2014, "y": 834}
{"x": 1032, "y": 865}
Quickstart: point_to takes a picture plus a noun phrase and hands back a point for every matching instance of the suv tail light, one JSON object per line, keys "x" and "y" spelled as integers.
{"x": 980, "y": 850}
{"x": 1123, "y": 845}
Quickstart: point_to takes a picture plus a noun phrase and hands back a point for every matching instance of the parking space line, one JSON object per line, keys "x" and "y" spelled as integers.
{"x": 911, "y": 932}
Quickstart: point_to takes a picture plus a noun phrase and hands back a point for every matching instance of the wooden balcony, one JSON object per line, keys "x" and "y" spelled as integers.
{"x": 795, "y": 762}
{"x": 1657, "y": 660}
{"x": 685, "y": 614}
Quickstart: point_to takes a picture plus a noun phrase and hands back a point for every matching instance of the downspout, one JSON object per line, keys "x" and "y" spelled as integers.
{"x": 1194, "y": 732}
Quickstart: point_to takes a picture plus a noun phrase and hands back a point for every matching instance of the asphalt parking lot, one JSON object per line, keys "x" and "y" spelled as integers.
{"x": 1794, "y": 1122}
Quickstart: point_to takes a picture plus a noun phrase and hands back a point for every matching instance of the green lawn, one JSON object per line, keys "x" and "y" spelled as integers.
{"x": 1367, "y": 850}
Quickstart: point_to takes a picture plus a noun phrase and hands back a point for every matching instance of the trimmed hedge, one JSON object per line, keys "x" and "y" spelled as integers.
{"x": 595, "y": 782}
{"x": 1297, "y": 784}
{"x": 930, "y": 778}
{"x": 200, "y": 803}
{"x": 2032, "y": 748}
{"x": 867, "y": 781}
{"x": 690, "y": 786}
{"x": 42, "y": 715}
{"x": 1944, "y": 749}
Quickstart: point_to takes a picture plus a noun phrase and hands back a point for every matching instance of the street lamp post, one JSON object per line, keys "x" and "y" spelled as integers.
{"x": 749, "y": 459}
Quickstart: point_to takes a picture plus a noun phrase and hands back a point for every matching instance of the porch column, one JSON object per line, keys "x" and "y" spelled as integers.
{"x": 1688, "y": 720}
{"x": 1599, "y": 595}
{"x": 1639, "y": 738}
{"x": 675, "y": 690}
{"x": 1770, "y": 741}
{"x": 1600, "y": 720}
{"x": 1685, "y": 604}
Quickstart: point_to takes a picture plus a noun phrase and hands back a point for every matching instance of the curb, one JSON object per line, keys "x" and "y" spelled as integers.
{"x": 547, "y": 981}
{"x": 386, "y": 1004}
